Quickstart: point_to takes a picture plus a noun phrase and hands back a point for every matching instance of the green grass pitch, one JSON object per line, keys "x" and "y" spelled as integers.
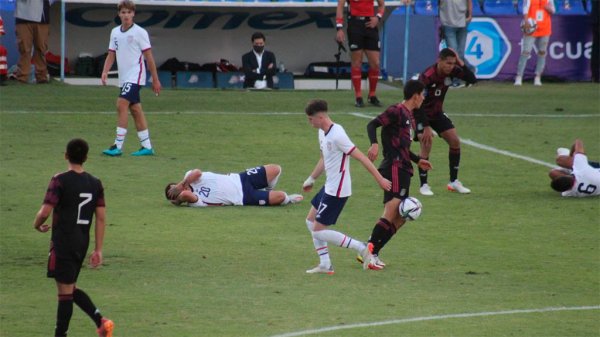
{"x": 513, "y": 244}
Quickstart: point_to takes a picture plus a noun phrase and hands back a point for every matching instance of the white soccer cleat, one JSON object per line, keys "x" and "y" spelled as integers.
{"x": 321, "y": 270}
{"x": 537, "y": 81}
{"x": 457, "y": 186}
{"x": 425, "y": 190}
{"x": 519, "y": 81}
{"x": 562, "y": 151}
{"x": 375, "y": 258}
{"x": 295, "y": 198}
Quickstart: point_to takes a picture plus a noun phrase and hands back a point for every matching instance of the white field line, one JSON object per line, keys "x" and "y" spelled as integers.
{"x": 489, "y": 148}
{"x": 432, "y": 318}
{"x": 358, "y": 114}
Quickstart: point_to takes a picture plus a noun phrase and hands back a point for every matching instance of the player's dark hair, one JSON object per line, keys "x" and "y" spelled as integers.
{"x": 413, "y": 87}
{"x": 167, "y": 188}
{"x": 563, "y": 183}
{"x": 126, "y": 4}
{"x": 315, "y": 106}
{"x": 258, "y": 35}
{"x": 77, "y": 151}
{"x": 446, "y": 52}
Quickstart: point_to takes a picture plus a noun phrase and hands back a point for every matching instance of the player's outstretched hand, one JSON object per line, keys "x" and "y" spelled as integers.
{"x": 373, "y": 152}
{"x": 43, "y": 228}
{"x": 385, "y": 184}
{"x": 308, "y": 184}
{"x": 424, "y": 164}
{"x": 96, "y": 259}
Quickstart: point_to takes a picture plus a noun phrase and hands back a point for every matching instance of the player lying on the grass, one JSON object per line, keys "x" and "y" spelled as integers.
{"x": 251, "y": 187}
{"x": 576, "y": 177}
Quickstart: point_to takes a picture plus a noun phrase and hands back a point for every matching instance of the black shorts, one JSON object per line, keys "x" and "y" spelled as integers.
{"x": 439, "y": 125}
{"x": 359, "y": 36}
{"x": 64, "y": 267}
{"x": 400, "y": 179}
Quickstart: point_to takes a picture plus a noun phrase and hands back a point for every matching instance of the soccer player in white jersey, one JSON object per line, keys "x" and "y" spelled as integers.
{"x": 336, "y": 150}
{"x": 130, "y": 45}
{"x": 580, "y": 179}
{"x": 254, "y": 186}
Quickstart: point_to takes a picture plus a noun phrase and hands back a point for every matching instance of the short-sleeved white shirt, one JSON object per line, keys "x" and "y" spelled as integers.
{"x": 587, "y": 178}
{"x": 214, "y": 189}
{"x": 129, "y": 46}
{"x": 336, "y": 148}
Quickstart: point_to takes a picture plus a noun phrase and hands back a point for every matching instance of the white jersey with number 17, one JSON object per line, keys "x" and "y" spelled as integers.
{"x": 336, "y": 148}
{"x": 129, "y": 47}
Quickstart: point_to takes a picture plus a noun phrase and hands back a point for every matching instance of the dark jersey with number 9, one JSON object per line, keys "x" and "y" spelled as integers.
{"x": 74, "y": 197}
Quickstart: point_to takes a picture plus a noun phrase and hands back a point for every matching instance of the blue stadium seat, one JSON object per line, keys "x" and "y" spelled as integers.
{"x": 477, "y": 9}
{"x": 426, "y": 7}
{"x": 499, "y": 7}
{"x": 284, "y": 80}
{"x": 588, "y": 5}
{"x": 165, "y": 77}
{"x": 401, "y": 10}
{"x": 230, "y": 80}
{"x": 570, "y": 7}
{"x": 520, "y": 7}
{"x": 195, "y": 79}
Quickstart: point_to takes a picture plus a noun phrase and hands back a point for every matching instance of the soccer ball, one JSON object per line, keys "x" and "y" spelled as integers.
{"x": 532, "y": 26}
{"x": 410, "y": 208}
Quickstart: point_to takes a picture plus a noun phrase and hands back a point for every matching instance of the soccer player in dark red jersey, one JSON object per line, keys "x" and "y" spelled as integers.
{"x": 73, "y": 197}
{"x": 397, "y": 131}
{"x": 431, "y": 117}
{"x": 363, "y": 39}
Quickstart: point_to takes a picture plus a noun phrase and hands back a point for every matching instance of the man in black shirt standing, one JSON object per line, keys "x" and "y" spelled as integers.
{"x": 73, "y": 197}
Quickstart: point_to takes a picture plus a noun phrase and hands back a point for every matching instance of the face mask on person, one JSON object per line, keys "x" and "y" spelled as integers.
{"x": 259, "y": 49}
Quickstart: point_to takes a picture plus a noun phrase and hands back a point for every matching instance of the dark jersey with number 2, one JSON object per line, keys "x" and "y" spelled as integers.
{"x": 74, "y": 197}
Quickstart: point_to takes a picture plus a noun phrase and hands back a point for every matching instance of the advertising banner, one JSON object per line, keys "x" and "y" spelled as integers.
{"x": 494, "y": 45}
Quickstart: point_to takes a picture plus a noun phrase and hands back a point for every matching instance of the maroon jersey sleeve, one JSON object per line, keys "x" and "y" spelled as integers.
{"x": 53, "y": 192}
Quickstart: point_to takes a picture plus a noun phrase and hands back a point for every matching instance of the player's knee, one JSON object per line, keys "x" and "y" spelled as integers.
{"x": 542, "y": 53}
{"x": 525, "y": 53}
{"x": 276, "y": 197}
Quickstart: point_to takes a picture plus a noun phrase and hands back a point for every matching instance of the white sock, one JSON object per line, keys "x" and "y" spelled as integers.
{"x": 338, "y": 239}
{"x": 144, "y": 137}
{"x": 120, "y": 139}
{"x": 287, "y": 200}
{"x": 320, "y": 247}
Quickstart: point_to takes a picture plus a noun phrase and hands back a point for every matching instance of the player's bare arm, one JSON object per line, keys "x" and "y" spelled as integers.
{"x": 339, "y": 19}
{"x": 379, "y": 17}
{"x": 156, "y": 86}
{"x": 41, "y": 217}
{"x": 383, "y": 183}
{"x": 316, "y": 173}
{"x": 578, "y": 147}
{"x": 176, "y": 190}
{"x": 108, "y": 63}
{"x": 96, "y": 258}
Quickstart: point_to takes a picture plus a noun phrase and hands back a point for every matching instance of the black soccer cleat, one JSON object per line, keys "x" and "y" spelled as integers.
{"x": 373, "y": 100}
{"x": 359, "y": 102}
